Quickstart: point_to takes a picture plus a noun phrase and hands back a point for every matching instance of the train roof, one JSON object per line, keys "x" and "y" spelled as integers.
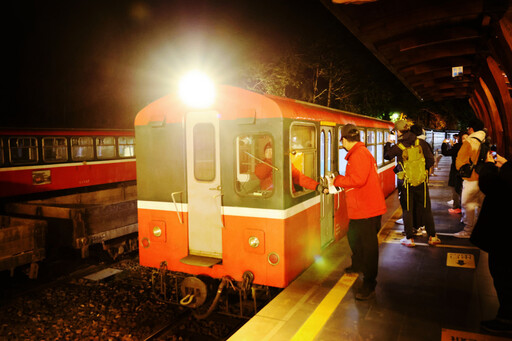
{"x": 234, "y": 103}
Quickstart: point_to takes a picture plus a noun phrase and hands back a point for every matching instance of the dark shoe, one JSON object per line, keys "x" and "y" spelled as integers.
{"x": 365, "y": 293}
{"x": 497, "y": 326}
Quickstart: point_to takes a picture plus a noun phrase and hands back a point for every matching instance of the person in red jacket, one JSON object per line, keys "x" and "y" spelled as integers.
{"x": 366, "y": 205}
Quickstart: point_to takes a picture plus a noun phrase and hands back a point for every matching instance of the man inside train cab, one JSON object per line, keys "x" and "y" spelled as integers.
{"x": 264, "y": 172}
{"x": 365, "y": 205}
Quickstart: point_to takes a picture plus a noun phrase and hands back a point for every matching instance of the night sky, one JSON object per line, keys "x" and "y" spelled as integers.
{"x": 95, "y": 64}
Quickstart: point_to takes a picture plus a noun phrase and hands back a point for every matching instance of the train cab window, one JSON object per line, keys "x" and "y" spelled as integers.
{"x": 82, "y": 148}
{"x": 254, "y": 165}
{"x": 126, "y": 146}
{"x": 342, "y": 153}
{"x": 204, "y": 152}
{"x": 106, "y": 147}
{"x": 380, "y": 148}
{"x": 23, "y": 150}
{"x": 370, "y": 142}
{"x": 362, "y": 135}
{"x": 55, "y": 149}
{"x": 302, "y": 154}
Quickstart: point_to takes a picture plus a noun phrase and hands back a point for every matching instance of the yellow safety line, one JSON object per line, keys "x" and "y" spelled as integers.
{"x": 389, "y": 224}
{"x": 324, "y": 310}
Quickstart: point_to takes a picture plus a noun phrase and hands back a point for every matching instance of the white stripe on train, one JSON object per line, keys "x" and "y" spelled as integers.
{"x": 241, "y": 211}
{"x": 66, "y": 164}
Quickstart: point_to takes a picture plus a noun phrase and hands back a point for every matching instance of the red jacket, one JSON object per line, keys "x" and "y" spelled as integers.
{"x": 302, "y": 180}
{"x": 361, "y": 182}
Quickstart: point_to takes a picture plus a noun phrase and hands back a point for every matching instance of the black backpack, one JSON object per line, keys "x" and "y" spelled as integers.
{"x": 466, "y": 170}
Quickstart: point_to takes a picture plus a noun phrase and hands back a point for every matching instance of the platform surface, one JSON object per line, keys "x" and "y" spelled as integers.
{"x": 423, "y": 293}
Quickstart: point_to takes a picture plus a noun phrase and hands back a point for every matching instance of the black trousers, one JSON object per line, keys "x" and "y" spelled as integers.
{"x": 362, "y": 238}
{"x": 500, "y": 268}
{"x": 415, "y": 202}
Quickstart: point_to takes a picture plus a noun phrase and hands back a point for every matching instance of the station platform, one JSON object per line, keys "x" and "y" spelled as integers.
{"x": 423, "y": 293}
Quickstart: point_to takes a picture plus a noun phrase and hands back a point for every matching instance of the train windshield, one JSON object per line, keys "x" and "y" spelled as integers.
{"x": 303, "y": 153}
{"x": 255, "y": 169}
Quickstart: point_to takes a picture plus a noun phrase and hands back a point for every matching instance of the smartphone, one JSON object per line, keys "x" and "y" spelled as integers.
{"x": 494, "y": 155}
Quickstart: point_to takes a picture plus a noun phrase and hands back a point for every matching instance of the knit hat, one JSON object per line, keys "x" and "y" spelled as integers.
{"x": 401, "y": 125}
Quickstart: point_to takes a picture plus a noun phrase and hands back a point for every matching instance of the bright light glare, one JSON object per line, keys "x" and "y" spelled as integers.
{"x": 197, "y": 90}
{"x": 395, "y": 116}
{"x": 319, "y": 260}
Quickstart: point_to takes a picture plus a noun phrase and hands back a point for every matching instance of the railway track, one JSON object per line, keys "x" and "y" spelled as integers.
{"x": 119, "y": 307}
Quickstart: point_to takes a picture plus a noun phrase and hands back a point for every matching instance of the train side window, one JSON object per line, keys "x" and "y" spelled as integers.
{"x": 362, "y": 135}
{"x": 106, "y": 147}
{"x": 204, "y": 152}
{"x": 1, "y": 152}
{"x": 342, "y": 153}
{"x": 126, "y": 146}
{"x": 254, "y": 165}
{"x": 322, "y": 153}
{"x": 55, "y": 149}
{"x": 82, "y": 148}
{"x": 23, "y": 150}
{"x": 302, "y": 154}
{"x": 380, "y": 148}
{"x": 370, "y": 141}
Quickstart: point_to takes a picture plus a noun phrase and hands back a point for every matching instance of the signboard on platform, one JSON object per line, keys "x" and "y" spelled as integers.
{"x": 458, "y": 335}
{"x": 460, "y": 260}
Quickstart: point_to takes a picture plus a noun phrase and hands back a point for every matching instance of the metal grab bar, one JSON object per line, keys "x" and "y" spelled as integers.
{"x": 176, "y": 206}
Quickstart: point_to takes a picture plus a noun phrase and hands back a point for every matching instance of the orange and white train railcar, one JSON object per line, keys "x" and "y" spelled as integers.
{"x": 202, "y": 209}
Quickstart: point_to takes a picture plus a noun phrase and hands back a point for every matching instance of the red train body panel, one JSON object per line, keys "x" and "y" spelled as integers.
{"x": 201, "y": 208}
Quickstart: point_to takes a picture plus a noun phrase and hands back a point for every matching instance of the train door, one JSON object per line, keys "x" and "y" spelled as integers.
{"x": 326, "y": 152}
{"x": 203, "y": 185}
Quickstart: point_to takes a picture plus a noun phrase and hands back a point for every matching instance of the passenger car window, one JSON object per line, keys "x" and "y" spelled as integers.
{"x": 82, "y": 148}
{"x": 106, "y": 147}
{"x": 126, "y": 146}
{"x": 254, "y": 165}
{"x": 23, "y": 150}
{"x": 55, "y": 149}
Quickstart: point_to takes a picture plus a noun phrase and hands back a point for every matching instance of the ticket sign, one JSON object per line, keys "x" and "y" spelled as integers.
{"x": 460, "y": 260}
{"x": 457, "y": 71}
{"x": 458, "y": 335}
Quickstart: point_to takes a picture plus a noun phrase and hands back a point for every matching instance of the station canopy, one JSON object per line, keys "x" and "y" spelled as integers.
{"x": 436, "y": 48}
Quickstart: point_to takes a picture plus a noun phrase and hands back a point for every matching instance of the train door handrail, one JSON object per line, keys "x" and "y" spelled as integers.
{"x": 178, "y": 212}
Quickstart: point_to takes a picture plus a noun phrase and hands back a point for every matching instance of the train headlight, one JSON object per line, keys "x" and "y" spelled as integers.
{"x": 197, "y": 90}
{"x": 254, "y": 241}
{"x": 157, "y": 231}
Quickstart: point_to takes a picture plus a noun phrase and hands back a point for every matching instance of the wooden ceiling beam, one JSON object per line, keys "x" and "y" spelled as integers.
{"x": 431, "y": 53}
{"x": 438, "y": 64}
{"x": 440, "y": 75}
{"x": 388, "y": 21}
{"x": 420, "y": 38}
